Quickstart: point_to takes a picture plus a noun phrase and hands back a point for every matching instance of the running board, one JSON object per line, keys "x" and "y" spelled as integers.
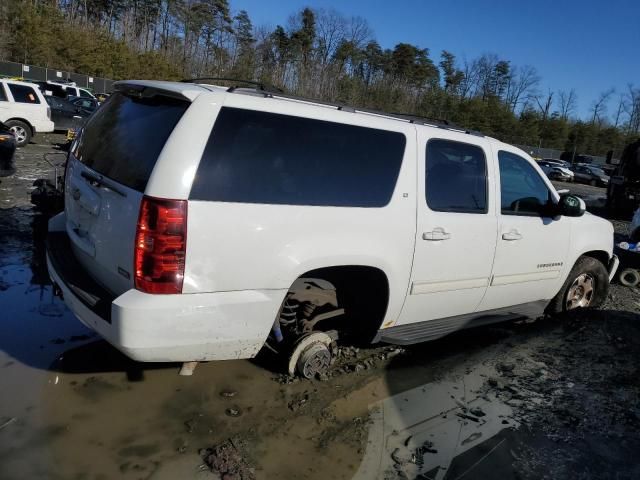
{"x": 434, "y": 329}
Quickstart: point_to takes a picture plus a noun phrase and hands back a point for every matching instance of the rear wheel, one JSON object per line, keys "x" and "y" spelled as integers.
{"x": 593, "y": 183}
{"x": 586, "y": 287}
{"x": 21, "y": 131}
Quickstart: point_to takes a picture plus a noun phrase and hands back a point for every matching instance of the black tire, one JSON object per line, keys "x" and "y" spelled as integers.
{"x": 21, "y": 130}
{"x": 593, "y": 183}
{"x": 629, "y": 277}
{"x": 601, "y": 280}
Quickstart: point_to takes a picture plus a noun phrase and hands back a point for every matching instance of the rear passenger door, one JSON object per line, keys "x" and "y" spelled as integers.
{"x": 532, "y": 245}
{"x": 456, "y": 234}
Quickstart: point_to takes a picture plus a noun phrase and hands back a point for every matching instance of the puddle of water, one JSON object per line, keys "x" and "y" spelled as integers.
{"x": 421, "y": 431}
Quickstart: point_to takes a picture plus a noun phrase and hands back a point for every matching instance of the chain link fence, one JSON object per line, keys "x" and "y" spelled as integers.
{"x": 41, "y": 74}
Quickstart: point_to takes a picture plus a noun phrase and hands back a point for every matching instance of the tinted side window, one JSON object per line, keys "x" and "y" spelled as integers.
{"x": 523, "y": 191}
{"x": 124, "y": 138}
{"x": 84, "y": 93}
{"x": 23, "y": 94}
{"x": 456, "y": 177}
{"x": 259, "y": 157}
{"x": 3, "y": 96}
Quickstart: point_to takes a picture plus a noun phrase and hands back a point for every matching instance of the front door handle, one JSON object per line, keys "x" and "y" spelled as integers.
{"x": 512, "y": 235}
{"x": 436, "y": 235}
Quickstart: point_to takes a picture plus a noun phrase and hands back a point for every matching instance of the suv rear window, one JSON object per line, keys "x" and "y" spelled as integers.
{"x": 124, "y": 137}
{"x": 260, "y": 157}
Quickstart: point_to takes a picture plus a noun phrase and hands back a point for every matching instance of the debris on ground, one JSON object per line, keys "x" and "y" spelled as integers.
{"x": 229, "y": 460}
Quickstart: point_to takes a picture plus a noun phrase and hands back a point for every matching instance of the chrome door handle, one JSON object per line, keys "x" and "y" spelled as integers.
{"x": 436, "y": 235}
{"x": 512, "y": 235}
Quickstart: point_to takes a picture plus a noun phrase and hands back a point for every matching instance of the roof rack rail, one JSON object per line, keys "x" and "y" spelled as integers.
{"x": 408, "y": 117}
{"x": 415, "y": 118}
{"x": 260, "y": 86}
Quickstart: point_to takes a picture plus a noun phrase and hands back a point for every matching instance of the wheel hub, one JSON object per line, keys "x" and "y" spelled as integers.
{"x": 19, "y": 133}
{"x": 580, "y": 293}
{"x": 311, "y": 355}
{"x": 314, "y": 360}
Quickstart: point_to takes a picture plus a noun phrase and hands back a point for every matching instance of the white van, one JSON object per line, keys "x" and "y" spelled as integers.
{"x": 203, "y": 222}
{"x": 24, "y": 110}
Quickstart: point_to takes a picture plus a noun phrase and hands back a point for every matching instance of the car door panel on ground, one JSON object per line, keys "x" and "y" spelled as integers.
{"x": 531, "y": 245}
{"x": 456, "y": 234}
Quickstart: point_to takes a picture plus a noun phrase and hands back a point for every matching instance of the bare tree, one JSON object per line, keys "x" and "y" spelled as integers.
{"x": 358, "y": 32}
{"x": 469, "y": 83}
{"x": 632, "y": 109}
{"x": 622, "y": 106}
{"x": 330, "y": 30}
{"x": 568, "y": 102}
{"x": 522, "y": 81}
{"x": 544, "y": 104}
{"x": 599, "y": 107}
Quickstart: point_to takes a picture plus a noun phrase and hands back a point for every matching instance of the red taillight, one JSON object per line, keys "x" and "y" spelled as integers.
{"x": 161, "y": 240}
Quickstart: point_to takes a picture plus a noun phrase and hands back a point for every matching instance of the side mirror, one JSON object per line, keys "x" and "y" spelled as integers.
{"x": 571, "y": 206}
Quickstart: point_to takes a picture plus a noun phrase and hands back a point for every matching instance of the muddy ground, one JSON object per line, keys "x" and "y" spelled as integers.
{"x": 542, "y": 399}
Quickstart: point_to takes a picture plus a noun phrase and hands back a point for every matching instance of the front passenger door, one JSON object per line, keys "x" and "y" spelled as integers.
{"x": 532, "y": 245}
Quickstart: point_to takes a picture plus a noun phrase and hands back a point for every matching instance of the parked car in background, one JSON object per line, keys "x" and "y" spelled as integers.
{"x": 71, "y": 112}
{"x": 24, "y": 110}
{"x": 555, "y": 171}
{"x": 558, "y": 162}
{"x": 306, "y": 222}
{"x": 63, "y": 89}
{"x": 7, "y": 150}
{"x": 585, "y": 173}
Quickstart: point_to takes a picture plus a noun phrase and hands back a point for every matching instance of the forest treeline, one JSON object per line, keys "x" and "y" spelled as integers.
{"x": 315, "y": 53}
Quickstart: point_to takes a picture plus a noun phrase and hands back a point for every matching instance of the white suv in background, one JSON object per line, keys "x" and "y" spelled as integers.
{"x": 64, "y": 89}
{"x": 203, "y": 222}
{"x": 24, "y": 110}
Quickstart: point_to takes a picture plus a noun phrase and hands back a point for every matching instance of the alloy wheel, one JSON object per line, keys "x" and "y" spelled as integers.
{"x": 581, "y": 291}
{"x": 19, "y": 133}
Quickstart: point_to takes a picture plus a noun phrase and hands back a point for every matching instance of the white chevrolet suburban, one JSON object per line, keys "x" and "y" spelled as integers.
{"x": 24, "y": 110}
{"x": 205, "y": 223}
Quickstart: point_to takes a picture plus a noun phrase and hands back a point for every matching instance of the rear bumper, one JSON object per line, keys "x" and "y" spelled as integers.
{"x": 43, "y": 126}
{"x": 166, "y": 328}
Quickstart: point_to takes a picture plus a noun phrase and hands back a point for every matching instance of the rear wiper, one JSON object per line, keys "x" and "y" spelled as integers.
{"x": 103, "y": 182}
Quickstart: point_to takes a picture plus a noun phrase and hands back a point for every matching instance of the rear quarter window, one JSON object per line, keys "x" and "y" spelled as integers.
{"x": 260, "y": 157}
{"x": 23, "y": 93}
{"x": 123, "y": 138}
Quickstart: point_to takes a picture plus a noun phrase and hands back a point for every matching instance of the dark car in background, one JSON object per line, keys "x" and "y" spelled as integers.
{"x": 590, "y": 174}
{"x": 71, "y": 112}
{"x": 7, "y": 149}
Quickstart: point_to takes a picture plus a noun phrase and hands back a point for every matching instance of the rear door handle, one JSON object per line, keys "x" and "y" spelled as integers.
{"x": 512, "y": 235}
{"x": 436, "y": 235}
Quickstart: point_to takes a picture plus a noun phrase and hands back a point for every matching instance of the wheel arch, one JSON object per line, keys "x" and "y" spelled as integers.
{"x": 23, "y": 120}
{"x": 363, "y": 290}
{"x": 600, "y": 255}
